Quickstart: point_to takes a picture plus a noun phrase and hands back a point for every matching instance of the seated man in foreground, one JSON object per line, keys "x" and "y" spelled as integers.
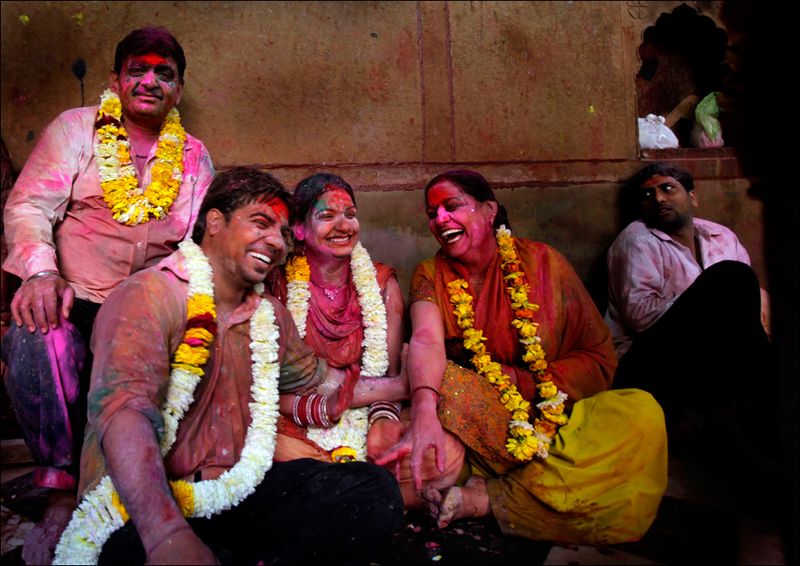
{"x": 183, "y": 405}
{"x": 684, "y": 305}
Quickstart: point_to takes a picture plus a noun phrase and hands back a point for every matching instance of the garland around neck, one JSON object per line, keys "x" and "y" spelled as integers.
{"x": 101, "y": 512}
{"x": 129, "y": 203}
{"x": 351, "y": 430}
{"x": 525, "y": 439}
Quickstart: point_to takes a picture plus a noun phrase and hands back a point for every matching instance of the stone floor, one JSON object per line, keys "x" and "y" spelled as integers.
{"x": 697, "y": 523}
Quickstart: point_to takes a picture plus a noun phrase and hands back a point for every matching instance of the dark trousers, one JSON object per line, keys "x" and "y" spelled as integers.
{"x": 47, "y": 382}
{"x": 708, "y": 355}
{"x": 709, "y": 347}
{"x": 304, "y": 512}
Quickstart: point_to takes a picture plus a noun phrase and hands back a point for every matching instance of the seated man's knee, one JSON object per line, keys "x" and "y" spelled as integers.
{"x": 35, "y": 361}
{"x": 378, "y": 488}
{"x": 733, "y": 274}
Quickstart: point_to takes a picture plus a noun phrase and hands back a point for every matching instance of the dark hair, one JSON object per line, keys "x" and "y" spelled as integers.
{"x": 476, "y": 186}
{"x": 630, "y": 197}
{"x": 234, "y": 189}
{"x": 311, "y": 188}
{"x": 663, "y": 169}
{"x": 150, "y": 40}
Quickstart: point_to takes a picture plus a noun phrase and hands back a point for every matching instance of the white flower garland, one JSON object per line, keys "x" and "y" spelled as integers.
{"x": 351, "y": 430}
{"x": 97, "y": 517}
{"x": 297, "y": 300}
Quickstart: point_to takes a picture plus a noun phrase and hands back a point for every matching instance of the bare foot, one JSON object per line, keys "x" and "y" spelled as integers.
{"x": 40, "y": 544}
{"x": 472, "y": 500}
{"x": 432, "y": 499}
{"x": 451, "y": 506}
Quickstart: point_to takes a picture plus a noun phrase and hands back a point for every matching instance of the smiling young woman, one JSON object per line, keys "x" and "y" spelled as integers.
{"x": 349, "y": 309}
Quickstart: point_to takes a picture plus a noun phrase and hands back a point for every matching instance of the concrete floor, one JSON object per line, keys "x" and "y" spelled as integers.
{"x": 697, "y": 522}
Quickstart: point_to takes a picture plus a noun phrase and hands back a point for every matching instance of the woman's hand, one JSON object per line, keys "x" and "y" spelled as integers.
{"x": 425, "y": 431}
{"x": 342, "y": 397}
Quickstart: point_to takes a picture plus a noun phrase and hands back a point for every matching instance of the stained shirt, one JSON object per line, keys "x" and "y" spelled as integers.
{"x": 648, "y": 271}
{"x": 576, "y": 341}
{"x": 56, "y": 217}
{"x": 136, "y": 333}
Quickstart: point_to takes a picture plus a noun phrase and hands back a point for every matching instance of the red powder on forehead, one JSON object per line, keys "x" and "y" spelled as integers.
{"x": 279, "y": 208}
{"x": 440, "y": 192}
{"x": 152, "y": 59}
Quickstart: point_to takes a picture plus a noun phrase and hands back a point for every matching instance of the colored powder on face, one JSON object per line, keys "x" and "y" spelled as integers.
{"x": 336, "y": 199}
{"x": 439, "y": 193}
{"x": 279, "y": 208}
{"x": 152, "y": 59}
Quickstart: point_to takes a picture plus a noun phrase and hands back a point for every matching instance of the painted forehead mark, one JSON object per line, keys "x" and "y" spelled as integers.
{"x": 441, "y": 192}
{"x": 335, "y": 197}
{"x": 152, "y": 59}
{"x": 279, "y": 208}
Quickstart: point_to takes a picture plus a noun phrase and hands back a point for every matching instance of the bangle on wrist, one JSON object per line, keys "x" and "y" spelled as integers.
{"x": 431, "y": 388}
{"x": 383, "y": 410}
{"x": 42, "y": 274}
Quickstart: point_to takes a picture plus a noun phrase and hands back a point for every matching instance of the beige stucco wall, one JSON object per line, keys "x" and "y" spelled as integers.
{"x": 538, "y": 96}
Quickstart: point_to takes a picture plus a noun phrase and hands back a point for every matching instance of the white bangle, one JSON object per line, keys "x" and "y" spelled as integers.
{"x": 42, "y": 274}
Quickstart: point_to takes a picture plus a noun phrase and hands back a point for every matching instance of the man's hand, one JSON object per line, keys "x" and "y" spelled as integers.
{"x": 181, "y": 547}
{"x": 40, "y": 300}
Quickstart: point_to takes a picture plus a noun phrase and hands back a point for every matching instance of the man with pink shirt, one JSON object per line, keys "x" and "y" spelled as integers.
{"x": 106, "y": 192}
{"x": 684, "y": 304}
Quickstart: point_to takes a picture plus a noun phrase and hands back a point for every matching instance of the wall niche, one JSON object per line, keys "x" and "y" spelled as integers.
{"x": 682, "y": 60}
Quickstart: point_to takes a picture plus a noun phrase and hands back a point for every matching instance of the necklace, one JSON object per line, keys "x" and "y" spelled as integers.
{"x": 330, "y": 292}
{"x": 375, "y": 359}
{"x": 129, "y": 203}
{"x": 525, "y": 439}
{"x": 101, "y": 512}
{"x": 351, "y": 430}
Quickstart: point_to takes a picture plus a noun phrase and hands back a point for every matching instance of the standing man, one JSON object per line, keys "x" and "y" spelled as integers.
{"x": 107, "y": 191}
{"x": 189, "y": 366}
{"x": 684, "y": 305}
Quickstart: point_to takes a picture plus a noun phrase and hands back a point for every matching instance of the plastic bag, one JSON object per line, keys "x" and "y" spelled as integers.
{"x": 707, "y": 131}
{"x": 655, "y": 134}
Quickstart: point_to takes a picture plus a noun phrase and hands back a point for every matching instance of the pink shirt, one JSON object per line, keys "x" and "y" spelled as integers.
{"x": 56, "y": 218}
{"x": 648, "y": 271}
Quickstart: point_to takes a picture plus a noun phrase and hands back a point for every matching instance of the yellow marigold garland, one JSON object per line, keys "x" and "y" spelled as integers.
{"x": 525, "y": 439}
{"x": 129, "y": 203}
{"x": 298, "y": 274}
{"x": 297, "y": 268}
